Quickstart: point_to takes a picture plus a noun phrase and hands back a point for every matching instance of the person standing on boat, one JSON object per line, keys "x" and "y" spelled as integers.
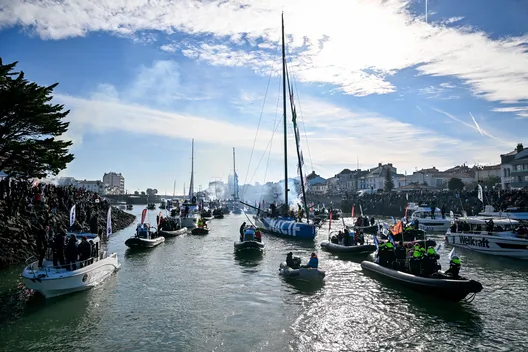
{"x": 85, "y": 250}
{"x": 42, "y": 243}
{"x": 242, "y": 227}
{"x": 58, "y": 249}
{"x": 346, "y": 238}
{"x": 290, "y": 262}
{"x": 71, "y": 253}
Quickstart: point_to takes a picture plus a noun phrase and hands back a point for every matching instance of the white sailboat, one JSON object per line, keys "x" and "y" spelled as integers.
{"x": 52, "y": 281}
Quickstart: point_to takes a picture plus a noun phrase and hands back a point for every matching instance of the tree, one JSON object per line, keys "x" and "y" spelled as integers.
{"x": 136, "y": 193}
{"x": 455, "y": 184}
{"x": 142, "y": 193}
{"x": 389, "y": 183}
{"x": 29, "y": 125}
{"x": 491, "y": 181}
{"x": 152, "y": 191}
{"x": 520, "y": 147}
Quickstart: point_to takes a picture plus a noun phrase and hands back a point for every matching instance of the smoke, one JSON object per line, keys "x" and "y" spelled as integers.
{"x": 255, "y": 194}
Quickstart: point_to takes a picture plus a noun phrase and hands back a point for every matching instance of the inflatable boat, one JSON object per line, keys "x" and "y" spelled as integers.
{"x": 439, "y": 285}
{"x": 338, "y": 248}
{"x": 200, "y": 231}
{"x": 303, "y": 274}
{"x": 167, "y": 233}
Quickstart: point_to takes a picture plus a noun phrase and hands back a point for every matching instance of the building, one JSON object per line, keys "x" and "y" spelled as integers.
{"x": 375, "y": 178}
{"x": 115, "y": 183}
{"x": 511, "y": 168}
{"x": 316, "y": 184}
{"x": 93, "y": 186}
{"x": 519, "y": 169}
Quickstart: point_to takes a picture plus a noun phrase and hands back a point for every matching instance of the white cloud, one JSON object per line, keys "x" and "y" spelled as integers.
{"x": 336, "y": 135}
{"x": 356, "y": 45}
{"x": 520, "y": 111}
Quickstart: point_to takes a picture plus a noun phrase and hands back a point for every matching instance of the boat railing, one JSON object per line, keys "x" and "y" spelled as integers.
{"x": 34, "y": 269}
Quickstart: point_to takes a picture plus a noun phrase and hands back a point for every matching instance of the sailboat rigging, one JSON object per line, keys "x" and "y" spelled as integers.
{"x": 284, "y": 225}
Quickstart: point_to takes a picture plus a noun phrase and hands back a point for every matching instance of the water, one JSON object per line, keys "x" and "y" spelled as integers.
{"x": 192, "y": 293}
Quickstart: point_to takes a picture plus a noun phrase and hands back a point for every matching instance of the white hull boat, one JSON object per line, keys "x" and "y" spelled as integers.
{"x": 51, "y": 282}
{"x": 501, "y": 240}
{"x": 429, "y": 223}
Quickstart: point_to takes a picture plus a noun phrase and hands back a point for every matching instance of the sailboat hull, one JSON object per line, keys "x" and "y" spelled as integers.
{"x": 287, "y": 227}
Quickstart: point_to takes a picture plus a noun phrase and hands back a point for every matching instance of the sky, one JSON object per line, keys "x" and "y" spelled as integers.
{"x": 374, "y": 82}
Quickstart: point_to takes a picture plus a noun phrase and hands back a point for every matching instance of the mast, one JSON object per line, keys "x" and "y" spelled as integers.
{"x": 284, "y": 111}
{"x": 174, "y": 189}
{"x": 235, "y": 178}
{"x": 191, "y": 186}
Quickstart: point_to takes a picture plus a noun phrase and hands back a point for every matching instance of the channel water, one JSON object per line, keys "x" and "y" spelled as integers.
{"x": 194, "y": 293}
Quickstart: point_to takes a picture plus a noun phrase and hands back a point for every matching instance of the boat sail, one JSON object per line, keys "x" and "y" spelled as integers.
{"x": 188, "y": 208}
{"x": 281, "y": 225}
{"x": 236, "y": 206}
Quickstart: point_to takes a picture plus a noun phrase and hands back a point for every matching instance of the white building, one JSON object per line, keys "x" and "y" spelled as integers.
{"x": 93, "y": 186}
{"x": 67, "y": 181}
{"x": 375, "y": 179}
{"x": 115, "y": 182}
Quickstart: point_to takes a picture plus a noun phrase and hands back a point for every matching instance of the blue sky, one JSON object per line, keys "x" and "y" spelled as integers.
{"x": 373, "y": 80}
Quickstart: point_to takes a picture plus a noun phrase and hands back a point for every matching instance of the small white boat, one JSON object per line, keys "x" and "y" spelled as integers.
{"x": 173, "y": 233}
{"x": 513, "y": 213}
{"x": 301, "y": 274}
{"x": 428, "y": 222}
{"x": 477, "y": 235}
{"x": 51, "y": 282}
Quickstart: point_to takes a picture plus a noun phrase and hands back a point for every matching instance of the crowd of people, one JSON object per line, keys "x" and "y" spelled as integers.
{"x": 456, "y": 201}
{"x": 39, "y": 202}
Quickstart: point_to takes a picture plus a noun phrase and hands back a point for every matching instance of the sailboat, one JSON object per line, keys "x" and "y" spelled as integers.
{"x": 289, "y": 226}
{"x": 236, "y": 206}
{"x": 189, "y": 207}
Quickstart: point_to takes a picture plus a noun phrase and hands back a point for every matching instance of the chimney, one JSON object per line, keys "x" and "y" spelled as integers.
{"x": 390, "y": 164}
{"x": 379, "y": 164}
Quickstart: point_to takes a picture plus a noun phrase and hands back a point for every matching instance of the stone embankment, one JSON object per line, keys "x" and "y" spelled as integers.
{"x": 17, "y": 233}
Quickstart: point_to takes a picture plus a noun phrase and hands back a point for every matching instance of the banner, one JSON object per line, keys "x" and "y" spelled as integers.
{"x": 72, "y": 215}
{"x": 109, "y": 222}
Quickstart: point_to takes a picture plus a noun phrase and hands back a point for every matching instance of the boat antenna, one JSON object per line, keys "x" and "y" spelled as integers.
{"x": 284, "y": 117}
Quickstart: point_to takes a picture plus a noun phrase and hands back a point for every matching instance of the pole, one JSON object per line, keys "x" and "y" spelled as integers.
{"x": 284, "y": 113}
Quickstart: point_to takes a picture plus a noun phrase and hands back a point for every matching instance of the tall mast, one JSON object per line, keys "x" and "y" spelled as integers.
{"x": 191, "y": 186}
{"x": 284, "y": 110}
{"x": 235, "y": 193}
{"x": 174, "y": 189}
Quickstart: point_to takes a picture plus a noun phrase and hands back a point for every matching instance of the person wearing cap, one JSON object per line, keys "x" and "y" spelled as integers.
{"x": 454, "y": 267}
{"x": 84, "y": 250}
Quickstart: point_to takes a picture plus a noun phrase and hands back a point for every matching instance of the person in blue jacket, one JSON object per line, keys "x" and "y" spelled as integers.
{"x": 313, "y": 262}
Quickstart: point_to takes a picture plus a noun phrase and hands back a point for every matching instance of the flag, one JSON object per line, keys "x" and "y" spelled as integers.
{"x": 457, "y": 195}
{"x": 330, "y": 222}
{"x": 407, "y": 196}
{"x": 480, "y": 195}
{"x": 406, "y": 209}
{"x": 376, "y": 241}
{"x": 397, "y": 229}
{"x": 353, "y": 212}
{"x": 144, "y": 215}
{"x": 72, "y": 215}
{"x": 109, "y": 222}
{"x": 159, "y": 218}
{"x": 391, "y": 239}
{"x": 394, "y": 219}
{"x": 452, "y": 253}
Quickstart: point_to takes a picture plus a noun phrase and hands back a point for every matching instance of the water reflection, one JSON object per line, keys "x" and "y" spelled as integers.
{"x": 248, "y": 258}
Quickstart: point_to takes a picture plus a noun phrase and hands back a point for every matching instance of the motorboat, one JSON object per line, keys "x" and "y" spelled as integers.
{"x": 439, "y": 285}
{"x": 151, "y": 206}
{"x": 145, "y": 237}
{"x": 129, "y": 207}
{"x": 355, "y": 249}
{"x": 301, "y": 274}
{"x": 513, "y": 213}
{"x": 172, "y": 233}
{"x": 121, "y": 205}
{"x": 249, "y": 241}
{"x": 495, "y": 236}
{"x": 431, "y": 221}
{"x": 51, "y": 281}
{"x": 200, "y": 231}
